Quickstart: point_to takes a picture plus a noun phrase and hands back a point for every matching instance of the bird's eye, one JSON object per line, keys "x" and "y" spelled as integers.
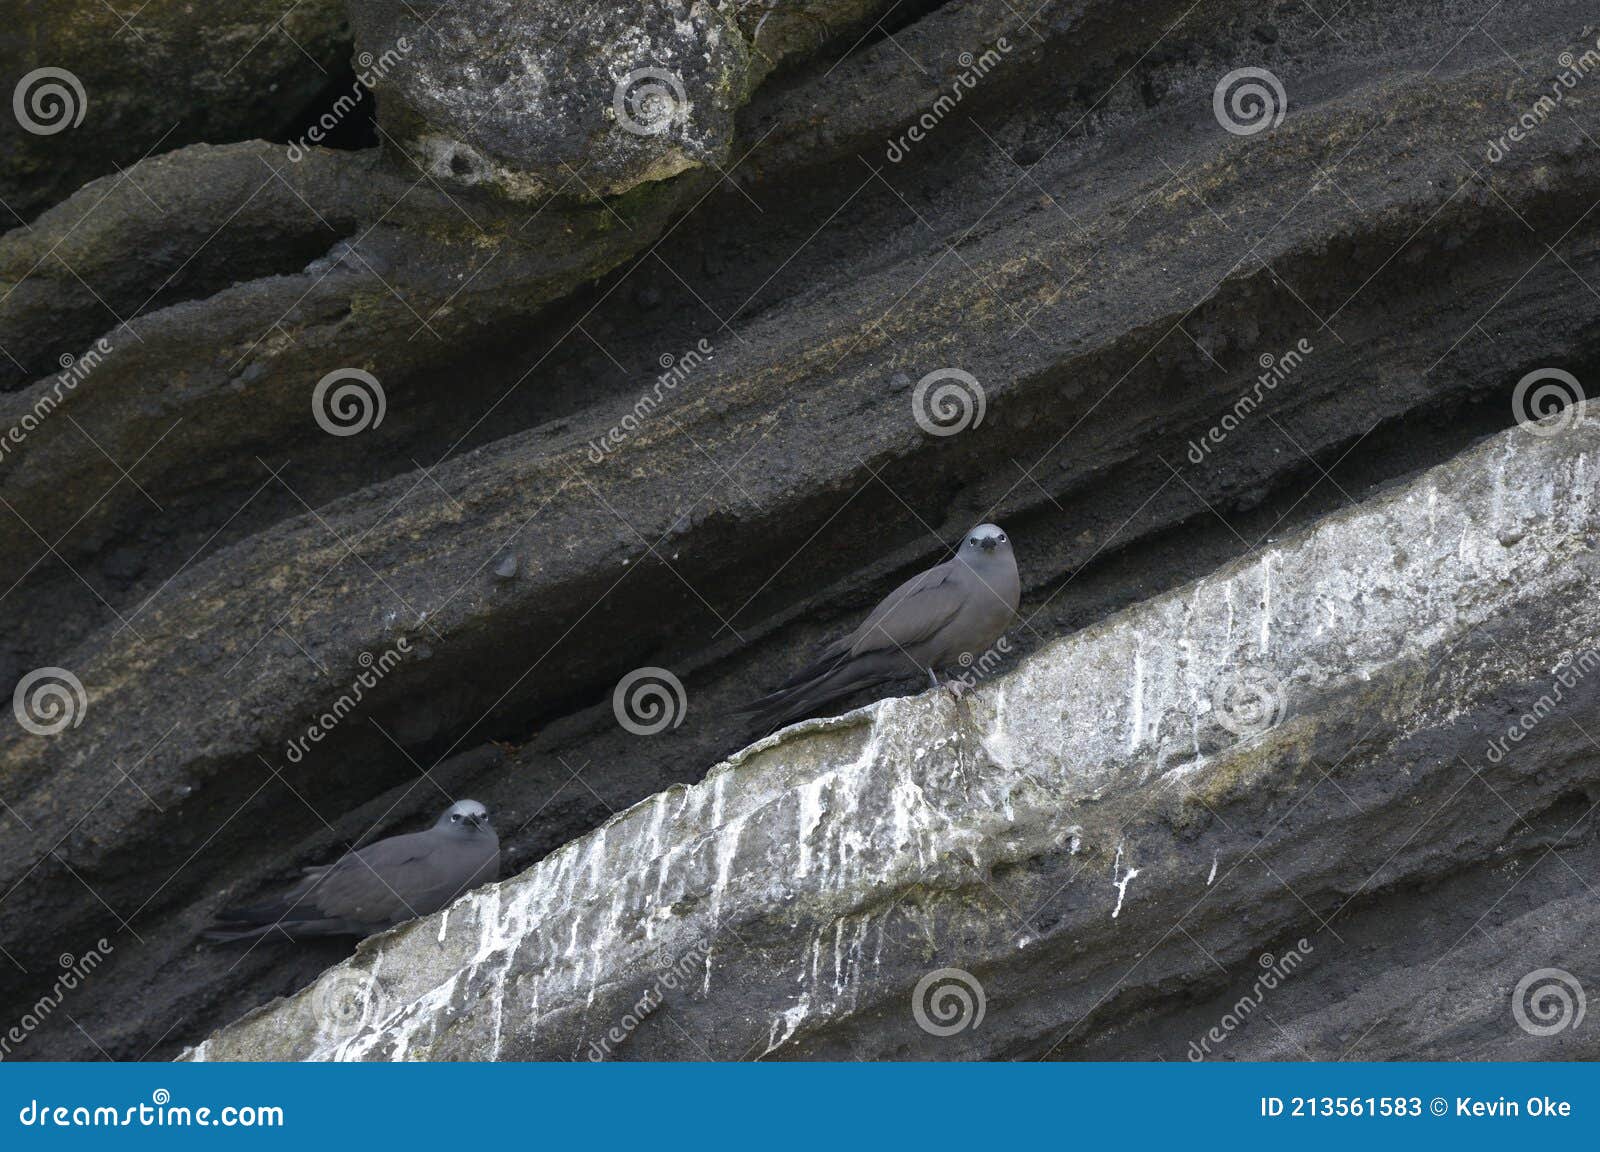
{"x": 973, "y": 541}
{"x": 456, "y": 817}
{"x": 1002, "y": 537}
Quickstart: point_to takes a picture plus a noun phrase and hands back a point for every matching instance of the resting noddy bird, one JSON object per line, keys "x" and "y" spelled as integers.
{"x": 955, "y": 609}
{"x": 379, "y": 886}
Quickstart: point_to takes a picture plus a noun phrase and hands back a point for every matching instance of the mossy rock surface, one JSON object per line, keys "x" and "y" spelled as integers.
{"x": 174, "y": 72}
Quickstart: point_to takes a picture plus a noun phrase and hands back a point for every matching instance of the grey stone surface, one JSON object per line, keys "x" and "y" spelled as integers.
{"x": 1092, "y": 838}
{"x": 532, "y": 98}
{"x": 152, "y": 77}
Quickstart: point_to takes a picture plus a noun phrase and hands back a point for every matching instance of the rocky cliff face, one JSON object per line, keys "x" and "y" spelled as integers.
{"x": 556, "y": 368}
{"x": 1283, "y": 768}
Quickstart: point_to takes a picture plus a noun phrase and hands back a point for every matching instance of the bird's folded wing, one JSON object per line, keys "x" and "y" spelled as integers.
{"x": 912, "y": 613}
{"x": 387, "y": 881}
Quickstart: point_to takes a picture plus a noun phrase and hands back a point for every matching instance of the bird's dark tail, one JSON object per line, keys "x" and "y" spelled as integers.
{"x": 218, "y": 934}
{"x": 294, "y": 914}
{"x": 821, "y": 684}
{"x": 226, "y": 931}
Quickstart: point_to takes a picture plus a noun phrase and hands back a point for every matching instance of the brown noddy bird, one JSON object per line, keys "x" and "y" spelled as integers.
{"x": 953, "y": 610}
{"x": 381, "y": 885}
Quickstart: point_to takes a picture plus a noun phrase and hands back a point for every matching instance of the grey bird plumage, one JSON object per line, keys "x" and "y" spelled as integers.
{"x": 953, "y": 610}
{"x": 381, "y": 885}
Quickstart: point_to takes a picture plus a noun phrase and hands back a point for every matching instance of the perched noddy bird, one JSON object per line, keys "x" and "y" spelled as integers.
{"x": 379, "y": 886}
{"x": 953, "y": 610}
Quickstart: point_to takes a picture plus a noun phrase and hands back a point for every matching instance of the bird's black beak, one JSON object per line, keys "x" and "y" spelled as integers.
{"x": 988, "y": 543}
